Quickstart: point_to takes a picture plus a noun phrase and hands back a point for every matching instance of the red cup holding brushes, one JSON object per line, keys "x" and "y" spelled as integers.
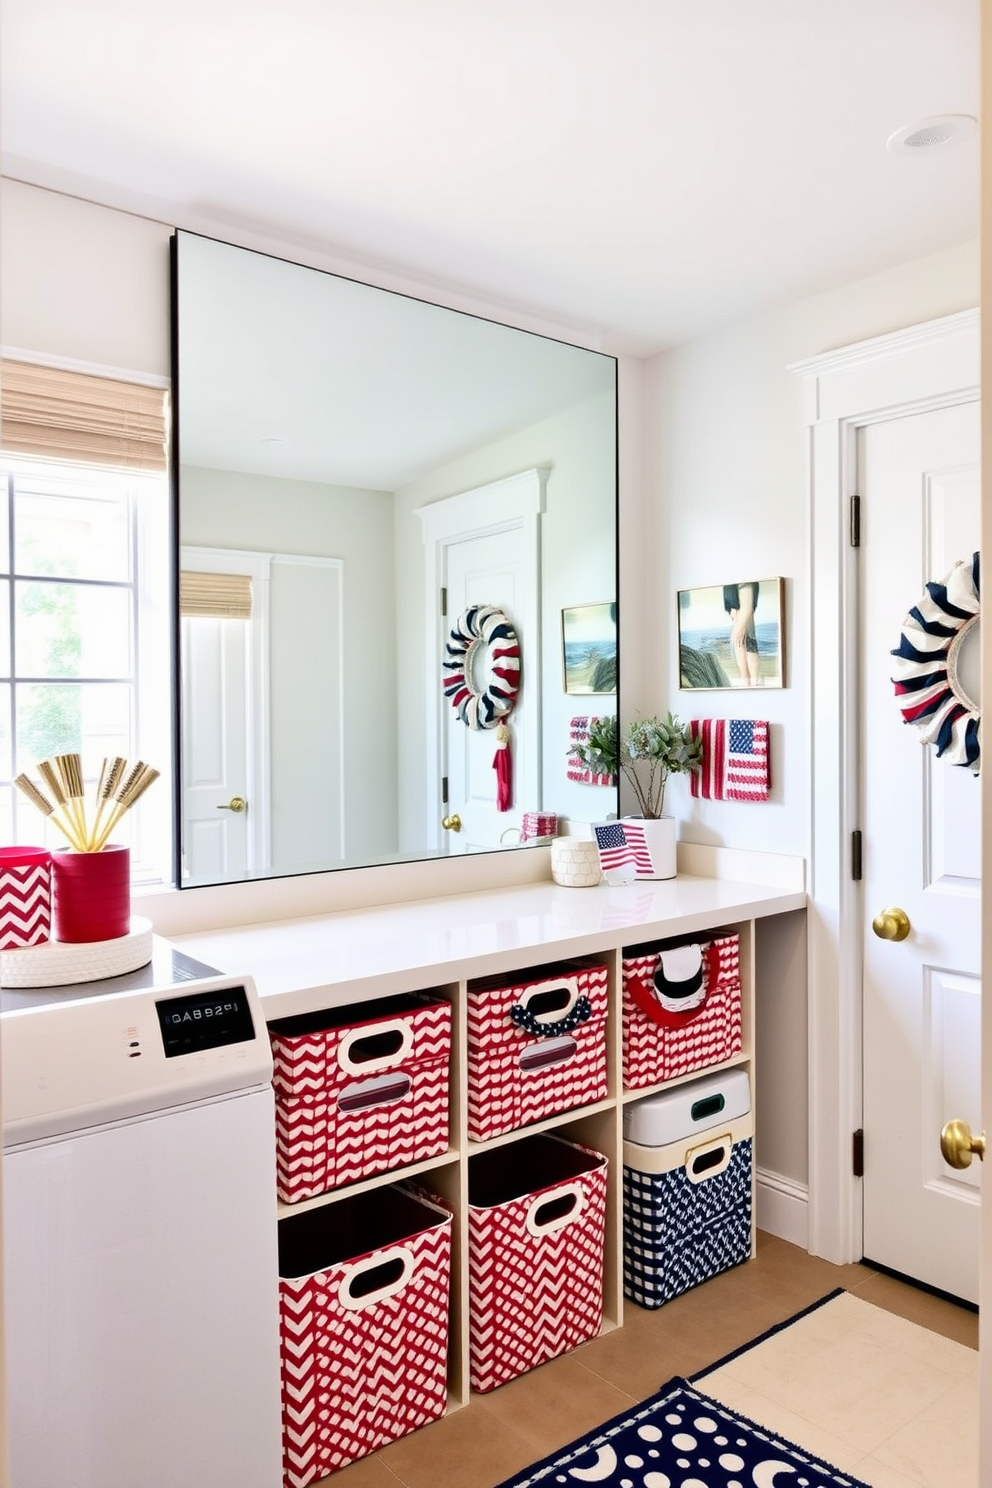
{"x": 91, "y": 893}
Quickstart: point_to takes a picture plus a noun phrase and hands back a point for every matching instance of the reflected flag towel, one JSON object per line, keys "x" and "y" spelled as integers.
{"x": 623, "y": 852}
{"x": 578, "y": 733}
{"x": 735, "y": 760}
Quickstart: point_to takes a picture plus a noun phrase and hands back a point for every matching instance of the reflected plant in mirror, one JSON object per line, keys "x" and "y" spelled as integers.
{"x": 354, "y": 469}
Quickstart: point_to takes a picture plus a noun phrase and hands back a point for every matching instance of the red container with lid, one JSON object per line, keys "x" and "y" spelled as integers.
{"x": 91, "y": 894}
{"x": 25, "y": 896}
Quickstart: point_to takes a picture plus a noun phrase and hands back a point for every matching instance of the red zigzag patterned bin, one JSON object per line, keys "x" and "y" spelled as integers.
{"x": 363, "y": 1298}
{"x": 660, "y": 1043}
{"x": 536, "y": 1046}
{"x": 359, "y": 1091}
{"x": 536, "y": 1228}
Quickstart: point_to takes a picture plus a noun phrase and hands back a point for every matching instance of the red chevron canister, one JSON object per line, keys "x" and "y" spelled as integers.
{"x": 25, "y": 897}
{"x": 536, "y": 1230}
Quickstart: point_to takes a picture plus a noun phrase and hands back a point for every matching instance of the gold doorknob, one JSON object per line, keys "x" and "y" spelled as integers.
{"x": 891, "y": 924}
{"x": 451, "y": 823}
{"x": 236, "y": 803}
{"x": 958, "y": 1144}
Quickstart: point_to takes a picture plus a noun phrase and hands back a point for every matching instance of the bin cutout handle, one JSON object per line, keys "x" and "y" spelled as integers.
{"x": 375, "y": 1278}
{"x": 709, "y": 1159}
{"x": 544, "y": 1055}
{"x": 361, "y": 1051}
{"x": 549, "y": 1008}
{"x": 380, "y": 1090}
{"x": 553, "y": 1211}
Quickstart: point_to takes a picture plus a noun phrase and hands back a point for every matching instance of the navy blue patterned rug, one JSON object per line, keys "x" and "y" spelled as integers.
{"x": 681, "y": 1438}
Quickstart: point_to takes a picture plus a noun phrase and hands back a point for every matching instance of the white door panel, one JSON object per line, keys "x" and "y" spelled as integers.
{"x": 215, "y": 758}
{"x": 922, "y": 996}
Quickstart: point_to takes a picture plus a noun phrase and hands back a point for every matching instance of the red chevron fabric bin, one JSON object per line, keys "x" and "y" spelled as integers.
{"x": 359, "y": 1091}
{"x": 364, "y": 1286}
{"x": 684, "y": 1018}
{"x": 536, "y": 1229}
{"x": 536, "y": 1045}
{"x": 25, "y": 897}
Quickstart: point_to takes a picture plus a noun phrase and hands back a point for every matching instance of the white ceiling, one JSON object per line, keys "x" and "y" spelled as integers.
{"x": 640, "y": 171}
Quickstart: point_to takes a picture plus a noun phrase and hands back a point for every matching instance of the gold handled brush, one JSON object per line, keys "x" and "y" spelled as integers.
{"x": 118, "y": 789}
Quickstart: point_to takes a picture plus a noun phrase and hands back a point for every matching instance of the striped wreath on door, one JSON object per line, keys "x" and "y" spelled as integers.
{"x": 487, "y": 627}
{"x": 927, "y": 680}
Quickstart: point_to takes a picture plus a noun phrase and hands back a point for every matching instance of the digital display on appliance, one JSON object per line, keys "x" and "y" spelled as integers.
{"x": 202, "y": 1021}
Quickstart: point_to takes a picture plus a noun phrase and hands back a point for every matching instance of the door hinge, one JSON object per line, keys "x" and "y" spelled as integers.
{"x": 858, "y": 1152}
{"x": 444, "y": 601}
{"x": 856, "y": 856}
{"x": 444, "y": 790}
{"x": 855, "y": 521}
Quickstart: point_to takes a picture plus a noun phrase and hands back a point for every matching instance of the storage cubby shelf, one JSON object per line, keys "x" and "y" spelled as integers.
{"x": 327, "y": 961}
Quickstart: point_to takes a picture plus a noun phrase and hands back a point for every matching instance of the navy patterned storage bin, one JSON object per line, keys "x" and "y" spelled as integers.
{"x": 686, "y": 1212}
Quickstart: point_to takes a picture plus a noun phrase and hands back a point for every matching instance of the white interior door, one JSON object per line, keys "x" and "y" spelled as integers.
{"x": 493, "y": 568}
{"x": 215, "y": 752}
{"x": 920, "y": 483}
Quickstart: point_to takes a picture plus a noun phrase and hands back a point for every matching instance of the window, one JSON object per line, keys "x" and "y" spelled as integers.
{"x": 84, "y": 639}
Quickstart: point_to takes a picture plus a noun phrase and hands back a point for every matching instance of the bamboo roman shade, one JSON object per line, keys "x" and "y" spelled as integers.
{"x": 218, "y": 596}
{"x": 63, "y": 415}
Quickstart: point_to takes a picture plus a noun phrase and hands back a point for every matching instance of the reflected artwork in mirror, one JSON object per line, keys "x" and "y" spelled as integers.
{"x": 357, "y": 472}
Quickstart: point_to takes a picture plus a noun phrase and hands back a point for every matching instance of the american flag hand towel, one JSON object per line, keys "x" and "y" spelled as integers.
{"x": 623, "y": 852}
{"x": 735, "y": 760}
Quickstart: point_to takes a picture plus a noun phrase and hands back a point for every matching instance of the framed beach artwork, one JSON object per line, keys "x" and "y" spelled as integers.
{"x": 732, "y": 635}
{"x": 589, "y": 647}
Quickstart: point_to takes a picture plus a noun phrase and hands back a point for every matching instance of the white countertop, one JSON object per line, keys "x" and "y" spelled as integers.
{"x": 304, "y": 964}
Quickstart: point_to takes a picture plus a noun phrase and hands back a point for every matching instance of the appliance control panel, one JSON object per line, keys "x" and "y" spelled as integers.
{"x": 79, "y": 1061}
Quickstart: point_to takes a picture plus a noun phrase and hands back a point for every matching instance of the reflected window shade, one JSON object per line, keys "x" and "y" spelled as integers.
{"x": 58, "y": 414}
{"x": 217, "y": 596}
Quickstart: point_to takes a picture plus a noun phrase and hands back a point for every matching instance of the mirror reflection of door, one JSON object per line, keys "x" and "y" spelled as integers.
{"x": 262, "y": 677}
{"x": 492, "y": 569}
{"x": 216, "y": 639}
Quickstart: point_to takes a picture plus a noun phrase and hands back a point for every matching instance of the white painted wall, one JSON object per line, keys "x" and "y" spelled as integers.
{"x": 224, "y": 508}
{"x": 578, "y": 567}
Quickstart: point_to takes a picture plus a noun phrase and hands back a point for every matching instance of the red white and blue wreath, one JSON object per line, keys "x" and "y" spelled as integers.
{"x": 927, "y": 682}
{"x": 487, "y": 627}
{"x": 488, "y": 707}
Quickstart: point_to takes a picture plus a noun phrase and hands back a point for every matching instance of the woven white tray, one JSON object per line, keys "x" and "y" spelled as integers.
{"x": 56, "y": 963}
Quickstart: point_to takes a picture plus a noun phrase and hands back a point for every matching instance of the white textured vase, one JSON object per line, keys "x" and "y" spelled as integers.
{"x": 575, "y": 862}
{"x": 659, "y": 838}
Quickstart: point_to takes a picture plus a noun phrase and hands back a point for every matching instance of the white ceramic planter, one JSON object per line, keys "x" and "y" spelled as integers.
{"x": 659, "y": 837}
{"x": 575, "y": 862}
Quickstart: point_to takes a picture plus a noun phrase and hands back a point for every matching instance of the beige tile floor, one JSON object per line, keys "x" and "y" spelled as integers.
{"x": 833, "y": 1402}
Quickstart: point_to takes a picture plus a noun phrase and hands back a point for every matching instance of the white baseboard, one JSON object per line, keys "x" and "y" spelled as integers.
{"x": 783, "y": 1208}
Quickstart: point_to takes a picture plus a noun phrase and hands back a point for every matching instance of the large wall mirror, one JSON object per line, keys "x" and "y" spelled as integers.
{"x": 356, "y": 471}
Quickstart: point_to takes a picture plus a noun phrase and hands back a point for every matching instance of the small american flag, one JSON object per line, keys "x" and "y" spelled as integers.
{"x": 623, "y": 852}
{"x": 735, "y": 759}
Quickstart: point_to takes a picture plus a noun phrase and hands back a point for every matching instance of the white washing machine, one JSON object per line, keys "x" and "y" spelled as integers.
{"x": 139, "y": 1216}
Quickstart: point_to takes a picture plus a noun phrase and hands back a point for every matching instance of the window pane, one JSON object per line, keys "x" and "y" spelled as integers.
{"x": 4, "y": 524}
{"x": 72, "y": 630}
{"x": 93, "y": 721}
{"x": 4, "y": 627}
{"x": 6, "y": 766}
{"x": 71, "y": 534}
